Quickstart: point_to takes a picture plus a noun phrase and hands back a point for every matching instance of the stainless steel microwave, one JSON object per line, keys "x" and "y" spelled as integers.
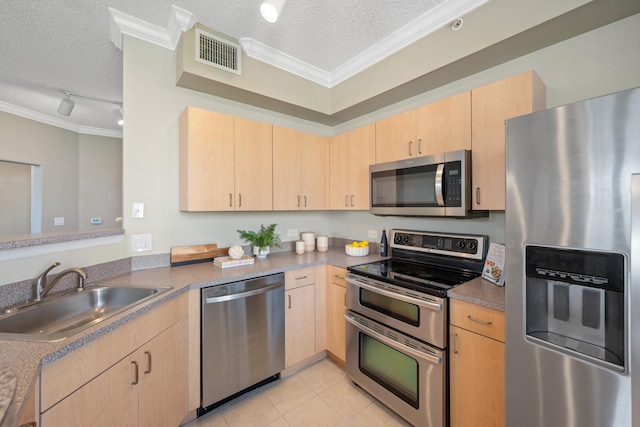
{"x": 437, "y": 185}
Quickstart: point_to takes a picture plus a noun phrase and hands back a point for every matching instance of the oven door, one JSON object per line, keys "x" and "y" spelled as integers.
{"x": 419, "y": 315}
{"x": 405, "y": 374}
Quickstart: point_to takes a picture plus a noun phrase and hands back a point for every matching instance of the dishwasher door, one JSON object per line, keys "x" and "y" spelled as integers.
{"x": 242, "y": 337}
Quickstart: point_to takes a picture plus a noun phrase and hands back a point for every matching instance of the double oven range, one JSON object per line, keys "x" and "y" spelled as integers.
{"x": 397, "y": 320}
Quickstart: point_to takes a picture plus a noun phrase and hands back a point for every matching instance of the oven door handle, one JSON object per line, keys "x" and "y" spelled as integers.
{"x": 411, "y": 300}
{"x": 394, "y": 344}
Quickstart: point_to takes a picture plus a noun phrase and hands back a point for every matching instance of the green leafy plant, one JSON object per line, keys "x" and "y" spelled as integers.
{"x": 262, "y": 238}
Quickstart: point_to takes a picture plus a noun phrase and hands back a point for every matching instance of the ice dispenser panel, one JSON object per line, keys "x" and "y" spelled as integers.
{"x": 575, "y": 303}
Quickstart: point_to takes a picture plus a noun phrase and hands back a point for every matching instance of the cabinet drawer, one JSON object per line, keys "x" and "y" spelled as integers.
{"x": 301, "y": 277}
{"x": 337, "y": 275}
{"x": 478, "y": 319}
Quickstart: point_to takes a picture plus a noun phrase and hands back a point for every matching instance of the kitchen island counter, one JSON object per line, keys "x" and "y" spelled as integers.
{"x": 25, "y": 358}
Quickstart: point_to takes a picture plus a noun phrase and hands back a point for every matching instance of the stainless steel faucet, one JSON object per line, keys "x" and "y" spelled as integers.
{"x": 43, "y": 288}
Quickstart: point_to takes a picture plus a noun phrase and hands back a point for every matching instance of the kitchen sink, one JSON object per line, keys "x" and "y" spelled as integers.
{"x": 60, "y": 316}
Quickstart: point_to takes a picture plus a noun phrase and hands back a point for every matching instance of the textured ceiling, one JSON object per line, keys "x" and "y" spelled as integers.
{"x": 48, "y": 47}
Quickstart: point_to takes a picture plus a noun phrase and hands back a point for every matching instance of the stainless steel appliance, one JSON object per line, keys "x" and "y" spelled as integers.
{"x": 569, "y": 259}
{"x": 437, "y": 185}
{"x": 242, "y": 338}
{"x": 397, "y": 320}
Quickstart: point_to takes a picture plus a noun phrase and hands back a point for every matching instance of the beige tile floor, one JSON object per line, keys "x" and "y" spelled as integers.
{"x": 320, "y": 395}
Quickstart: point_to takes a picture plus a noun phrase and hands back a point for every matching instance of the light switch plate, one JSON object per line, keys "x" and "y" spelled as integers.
{"x": 58, "y": 221}
{"x": 141, "y": 242}
{"x": 372, "y": 234}
{"x": 138, "y": 210}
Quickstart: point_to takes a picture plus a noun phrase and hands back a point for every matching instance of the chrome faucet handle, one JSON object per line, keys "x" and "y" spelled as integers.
{"x": 42, "y": 280}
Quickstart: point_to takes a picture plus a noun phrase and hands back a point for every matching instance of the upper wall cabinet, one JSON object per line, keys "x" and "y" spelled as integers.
{"x": 492, "y": 104}
{"x": 299, "y": 169}
{"x": 225, "y": 162}
{"x": 350, "y": 155}
{"x": 434, "y": 128}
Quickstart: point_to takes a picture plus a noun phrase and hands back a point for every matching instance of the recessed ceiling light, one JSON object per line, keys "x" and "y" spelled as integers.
{"x": 270, "y": 9}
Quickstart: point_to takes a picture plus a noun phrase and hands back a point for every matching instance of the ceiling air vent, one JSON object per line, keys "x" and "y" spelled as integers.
{"x": 217, "y": 51}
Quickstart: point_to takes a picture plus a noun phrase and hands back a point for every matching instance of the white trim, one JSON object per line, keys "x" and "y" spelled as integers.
{"x": 54, "y": 121}
{"x": 120, "y": 23}
{"x": 420, "y": 27}
{"x": 50, "y": 248}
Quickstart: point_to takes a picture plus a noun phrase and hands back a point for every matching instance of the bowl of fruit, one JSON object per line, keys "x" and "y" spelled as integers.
{"x": 357, "y": 248}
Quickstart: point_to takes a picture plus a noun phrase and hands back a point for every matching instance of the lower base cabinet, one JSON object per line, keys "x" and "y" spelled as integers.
{"x": 146, "y": 388}
{"x": 300, "y": 324}
{"x": 336, "y": 324}
{"x": 476, "y": 366}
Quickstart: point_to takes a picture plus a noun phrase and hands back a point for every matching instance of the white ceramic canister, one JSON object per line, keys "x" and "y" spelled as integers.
{"x": 309, "y": 238}
{"x": 323, "y": 243}
{"x": 299, "y": 247}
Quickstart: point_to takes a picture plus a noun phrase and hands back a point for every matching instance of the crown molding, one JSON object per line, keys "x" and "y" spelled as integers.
{"x": 120, "y": 23}
{"x": 54, "y": 121}
{"x": 182, "y": 20}
{"x": 420, "y": 27}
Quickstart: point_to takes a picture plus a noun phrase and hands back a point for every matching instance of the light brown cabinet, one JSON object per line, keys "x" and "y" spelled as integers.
{"x": 438, "y": 127}
{"x": 146, "y": 388}
{"x": 225, "y": 162}
{"x": 336, "y": 324}
{"x": 492, "y": 104}
{"x": 300, "y": 315}
{"x": 350, "y": 154}
{"x": 476, "y": 370}
{"x": 299, "y": 168}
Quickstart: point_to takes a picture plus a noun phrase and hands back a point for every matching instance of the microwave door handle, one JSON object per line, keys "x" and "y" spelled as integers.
{"x": 438, "y": 184}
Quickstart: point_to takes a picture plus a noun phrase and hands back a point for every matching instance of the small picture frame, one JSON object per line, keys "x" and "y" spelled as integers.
{"x": 493, "y": 270}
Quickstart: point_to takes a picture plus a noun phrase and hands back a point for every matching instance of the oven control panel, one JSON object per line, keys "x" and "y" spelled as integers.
{"x": 458, "y": 245}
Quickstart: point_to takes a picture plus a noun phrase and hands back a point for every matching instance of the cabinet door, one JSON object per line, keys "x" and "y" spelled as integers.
{"x": 206, "y": 160}
{"x": 491, "y": 105}
{"x": 300, "y": 324}
{"x": 476, "y": 379}
{"x": 339, "y": 172}
{"x": 253, "y": 165}
{"x": 396, "y": 137}
{"x": 286, "y": 169}
{"x": 361, "y": 155}
{"x": 313, "y": 155}
{"x": 163, "y": 377}
{"x": 336, "y": 324}
{"x": 110, "y": 399}
{"x": 444, "y": 125}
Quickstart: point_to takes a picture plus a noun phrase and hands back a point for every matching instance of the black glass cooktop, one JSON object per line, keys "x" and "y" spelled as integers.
{"x": 429, "y": 278}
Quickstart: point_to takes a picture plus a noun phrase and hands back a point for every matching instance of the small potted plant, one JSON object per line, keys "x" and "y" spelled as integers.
{"x": 262, "y": 239}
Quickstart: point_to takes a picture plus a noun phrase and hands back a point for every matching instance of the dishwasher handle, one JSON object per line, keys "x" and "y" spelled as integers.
{"x": 246, "y": 294}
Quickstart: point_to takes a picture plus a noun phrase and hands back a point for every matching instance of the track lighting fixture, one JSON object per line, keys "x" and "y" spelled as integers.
{"x": 270, "y": 9}
{"x": 67, "y": 104}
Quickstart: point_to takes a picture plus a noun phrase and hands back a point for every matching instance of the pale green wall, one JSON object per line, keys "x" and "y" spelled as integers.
{"x": 602, "y": 61}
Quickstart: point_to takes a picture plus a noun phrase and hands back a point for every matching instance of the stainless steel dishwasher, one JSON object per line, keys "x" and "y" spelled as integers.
{"x": 242, "y": 338}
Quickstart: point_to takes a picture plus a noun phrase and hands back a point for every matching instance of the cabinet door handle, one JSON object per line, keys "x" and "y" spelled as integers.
{"x": 346, "y": 200}
{"x": 410, "y": 154}
{"x": 298, "y": 200}
{"x": 352, "y": 200}
{"x": 30, "y": 424}
{"x": 239, "y": 199}
{"x": 230, "y": 199}
{"x": 477, "y": 195}
{"x": 135, "y": 364}
{"x": 148, "y": 355}
{"x": 301, "y": 277}
{"x": 305, "y": 201}
{"x": 338, "y": 277}
{"x": 455, "y": 343}
{"x": 420, "y": 146}
{"x": 482, "y": 322}
{"x": 289, "y": 297}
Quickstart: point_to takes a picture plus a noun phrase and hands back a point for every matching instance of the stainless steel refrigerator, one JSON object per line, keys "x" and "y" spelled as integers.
{"x": 573, "y": 255}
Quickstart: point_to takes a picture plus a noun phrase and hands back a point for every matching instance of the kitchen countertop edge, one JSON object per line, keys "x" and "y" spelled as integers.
{"x": 480, "y": 292}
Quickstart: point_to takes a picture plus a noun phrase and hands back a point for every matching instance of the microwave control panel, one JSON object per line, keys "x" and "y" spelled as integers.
{"x": 453, "y": 184}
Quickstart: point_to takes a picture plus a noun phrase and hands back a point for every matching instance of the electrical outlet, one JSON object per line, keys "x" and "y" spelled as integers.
{"x": 141, "y": 242}
{"x": 372, "y": 234}
{"x": 292, "y": 232}
{"x": 58, "y": 221}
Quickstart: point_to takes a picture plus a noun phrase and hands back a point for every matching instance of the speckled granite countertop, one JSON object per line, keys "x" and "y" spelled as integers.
{"x": 8, "y": 383}
{"x": 25, "y": 358}
{"x": 481, "y": 292}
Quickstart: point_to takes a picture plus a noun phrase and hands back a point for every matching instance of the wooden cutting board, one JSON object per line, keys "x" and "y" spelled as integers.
{"x": 181, "y": 255}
